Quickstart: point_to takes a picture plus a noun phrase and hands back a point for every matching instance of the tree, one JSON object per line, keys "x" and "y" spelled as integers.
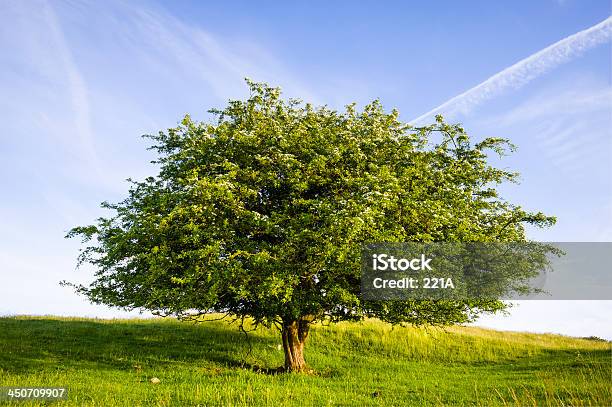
{"x": 262, "y": 214}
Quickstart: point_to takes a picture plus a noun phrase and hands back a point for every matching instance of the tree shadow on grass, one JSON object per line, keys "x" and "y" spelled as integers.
{"x": 30, "y": 345}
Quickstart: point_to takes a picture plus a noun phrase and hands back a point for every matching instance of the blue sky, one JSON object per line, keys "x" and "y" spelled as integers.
{"x": 81, "y": 81}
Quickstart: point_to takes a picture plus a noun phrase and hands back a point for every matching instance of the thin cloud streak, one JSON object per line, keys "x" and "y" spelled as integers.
{"x": 569, "y": 125}
{"x": 525, "y": 70}
{"x": 77, "y": 89}
{"x": 221, "y": 64}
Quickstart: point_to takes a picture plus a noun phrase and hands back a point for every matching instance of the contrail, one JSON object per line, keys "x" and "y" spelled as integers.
{"x": 525, "y": 70}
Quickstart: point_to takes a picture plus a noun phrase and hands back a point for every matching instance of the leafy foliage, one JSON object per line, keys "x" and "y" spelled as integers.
{"x": 264, "y": 212}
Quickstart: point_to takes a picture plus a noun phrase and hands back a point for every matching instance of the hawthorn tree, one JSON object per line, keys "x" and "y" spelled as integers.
{"x": 262, "y": 214}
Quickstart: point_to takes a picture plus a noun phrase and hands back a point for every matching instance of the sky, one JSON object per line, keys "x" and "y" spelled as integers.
{"x": 81, "y": 81}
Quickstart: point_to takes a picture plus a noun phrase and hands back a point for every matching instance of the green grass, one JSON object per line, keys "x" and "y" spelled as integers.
{"x": 107, "y": 363}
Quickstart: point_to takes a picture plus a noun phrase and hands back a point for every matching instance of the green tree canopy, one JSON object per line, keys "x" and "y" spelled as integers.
{"x": 262, "y": 214}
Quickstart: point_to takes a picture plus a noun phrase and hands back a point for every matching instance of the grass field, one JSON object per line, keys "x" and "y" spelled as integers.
{"x": 108, "y": 363}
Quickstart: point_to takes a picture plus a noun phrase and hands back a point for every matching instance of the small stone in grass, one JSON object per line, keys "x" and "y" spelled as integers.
{"x": 155, "y": 380}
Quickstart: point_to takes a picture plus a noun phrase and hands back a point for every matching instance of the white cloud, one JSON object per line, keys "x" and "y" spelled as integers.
{"x": 570, "y": 125}
{"x": 525, "y": 70}
{"x": 220, "y": 63}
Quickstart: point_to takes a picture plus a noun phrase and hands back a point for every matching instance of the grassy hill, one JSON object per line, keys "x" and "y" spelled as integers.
{"x": 107, "y": 363}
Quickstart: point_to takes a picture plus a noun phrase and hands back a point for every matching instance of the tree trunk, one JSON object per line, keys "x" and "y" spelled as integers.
{"x": 294, "y": 335}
